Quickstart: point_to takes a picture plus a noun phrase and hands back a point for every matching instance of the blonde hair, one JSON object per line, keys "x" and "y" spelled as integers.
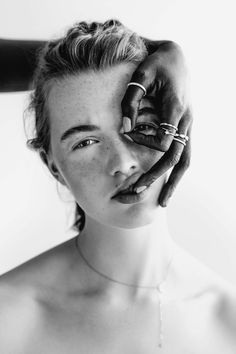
{"x": 85, "y": 46}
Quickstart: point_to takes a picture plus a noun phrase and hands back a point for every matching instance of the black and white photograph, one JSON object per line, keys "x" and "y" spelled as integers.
{"x": 117, "y": 213}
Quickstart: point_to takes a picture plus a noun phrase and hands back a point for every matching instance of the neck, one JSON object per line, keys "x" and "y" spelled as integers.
{"x": 137, "y": 256}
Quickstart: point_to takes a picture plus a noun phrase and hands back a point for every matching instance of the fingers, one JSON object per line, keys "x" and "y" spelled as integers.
{"x": 145, "y": 76}
{"x": 176, "y": 174}
{"x": 150, "y": 141}
{"x": 178, "y": 156}
{"x": 168, "y": 160}
{"x": 165, "y": 134}
{"x": 158, "y": 141}
{"x": 172, "y": 112}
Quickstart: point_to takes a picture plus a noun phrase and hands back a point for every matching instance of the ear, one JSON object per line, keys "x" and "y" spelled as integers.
{"x": 52, "y": 167}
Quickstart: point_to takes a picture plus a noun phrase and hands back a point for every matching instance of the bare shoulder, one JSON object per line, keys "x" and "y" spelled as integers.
{"x": 20, "y": 291}
{"x": 220, "y": 313}
{"x": 17, "y": 313}
{"x": 42, "y": 268}
{"x": 217, "y": 297}
{"x": 226, "y": 309}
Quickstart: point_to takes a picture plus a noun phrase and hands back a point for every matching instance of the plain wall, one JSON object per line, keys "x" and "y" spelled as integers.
{"x": 201, "y": 213}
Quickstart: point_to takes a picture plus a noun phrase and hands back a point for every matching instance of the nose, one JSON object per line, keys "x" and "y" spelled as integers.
{"x": 123, "y": 159}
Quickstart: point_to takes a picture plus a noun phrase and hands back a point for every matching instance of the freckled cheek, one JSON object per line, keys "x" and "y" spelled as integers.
{"x": 83, "y": 175}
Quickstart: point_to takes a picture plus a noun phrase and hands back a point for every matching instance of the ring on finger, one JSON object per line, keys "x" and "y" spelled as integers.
{"x": 169, "y": 125}
{"x": 180, "y": 141}
{"x": 167, "y": 131}
{"x": 139, "y": 85}
{"x": 183, "y": 136}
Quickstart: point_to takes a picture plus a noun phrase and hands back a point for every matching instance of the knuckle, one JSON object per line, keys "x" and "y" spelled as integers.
{"x": 173, "y": 107}
{"x": 148, "y": 179}
{"x": 151, "y": 179}
{"x": 186, "y": 163}
{"x": 139, "y": 75}
{"x": 174, "y": 159}
{"x": 190, "y": 118}
{"x": 178, "y": 107}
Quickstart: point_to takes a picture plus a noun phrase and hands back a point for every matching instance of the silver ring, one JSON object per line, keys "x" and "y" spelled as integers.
{"x": 169, "y": 125}
{"x": 180, "y": 141}
{"x": 183, "y": 136}
{"x": 168, "y": 132}
{"x": 139, "y": 85}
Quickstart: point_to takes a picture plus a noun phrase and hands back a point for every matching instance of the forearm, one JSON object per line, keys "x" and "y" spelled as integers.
{"x": 17, "y": 63}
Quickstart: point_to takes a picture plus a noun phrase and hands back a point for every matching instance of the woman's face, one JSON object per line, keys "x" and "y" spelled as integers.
{"x": 93, "y": 164}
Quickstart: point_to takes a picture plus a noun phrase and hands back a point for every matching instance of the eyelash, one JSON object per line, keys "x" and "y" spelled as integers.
{"x": 84, "y": 141}
{"x": 150, "y": 125}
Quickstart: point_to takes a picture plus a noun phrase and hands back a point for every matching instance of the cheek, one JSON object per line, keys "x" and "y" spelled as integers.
{"x": 82, "y": 176}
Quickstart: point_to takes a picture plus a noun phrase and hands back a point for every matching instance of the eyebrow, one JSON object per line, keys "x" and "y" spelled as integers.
{"x": 147, "y": 110}
{"x": 79, "y": 129}
{"x": 91, "y": 127}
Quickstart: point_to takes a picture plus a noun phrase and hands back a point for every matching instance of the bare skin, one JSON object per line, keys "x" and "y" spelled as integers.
{"x": 44, "y": 310}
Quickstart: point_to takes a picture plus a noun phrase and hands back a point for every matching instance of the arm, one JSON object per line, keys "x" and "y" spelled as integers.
{"x": 17, "y": 63}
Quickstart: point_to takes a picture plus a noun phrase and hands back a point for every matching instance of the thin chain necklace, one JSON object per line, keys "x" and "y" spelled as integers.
{"x": 158, "y": 287}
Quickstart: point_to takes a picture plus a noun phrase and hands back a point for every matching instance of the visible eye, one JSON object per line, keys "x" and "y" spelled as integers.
{"x": 84, "y": 144}
{"x": 148, "y": 129}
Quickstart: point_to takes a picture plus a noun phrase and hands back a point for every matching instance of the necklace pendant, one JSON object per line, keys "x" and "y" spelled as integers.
{"x": 160, "y": 289}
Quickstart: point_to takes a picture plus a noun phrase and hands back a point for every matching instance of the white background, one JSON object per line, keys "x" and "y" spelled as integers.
{"x": 202, "y": 218}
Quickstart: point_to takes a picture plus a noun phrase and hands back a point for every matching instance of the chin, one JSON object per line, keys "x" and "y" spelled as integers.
{"x": 135, "y": 218}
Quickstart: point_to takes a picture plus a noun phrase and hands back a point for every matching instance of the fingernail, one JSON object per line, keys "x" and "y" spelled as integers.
{"x": 140, "y": 189}
{"x": 127, "y": 124}
{"x": 165, "y": 202}
{"x": 128, "y": 137}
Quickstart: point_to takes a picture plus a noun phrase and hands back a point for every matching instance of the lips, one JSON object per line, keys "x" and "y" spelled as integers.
{"x": 127, "y": 186}
{"x": 131, "y": 198}
{"x": 127, "y": 190}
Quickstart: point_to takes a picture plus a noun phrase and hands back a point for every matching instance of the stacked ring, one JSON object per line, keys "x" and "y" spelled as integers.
{"x": 169, "y": 125}
{"x": 183, "y": 136}
{"x": 167, "y": 131}
{"x": 180, "y": 141}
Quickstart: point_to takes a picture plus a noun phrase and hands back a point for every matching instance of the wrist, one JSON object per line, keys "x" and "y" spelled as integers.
{"x": 163, "y": 45}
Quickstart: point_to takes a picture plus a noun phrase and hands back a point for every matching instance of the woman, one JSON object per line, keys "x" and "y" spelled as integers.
{"x": 121, "y": 285}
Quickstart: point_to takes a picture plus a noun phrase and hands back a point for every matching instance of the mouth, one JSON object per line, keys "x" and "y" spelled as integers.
{"x": 129, "y": 190}
{"x": 127, "y": 187}
{"x": 128, "y": 196}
